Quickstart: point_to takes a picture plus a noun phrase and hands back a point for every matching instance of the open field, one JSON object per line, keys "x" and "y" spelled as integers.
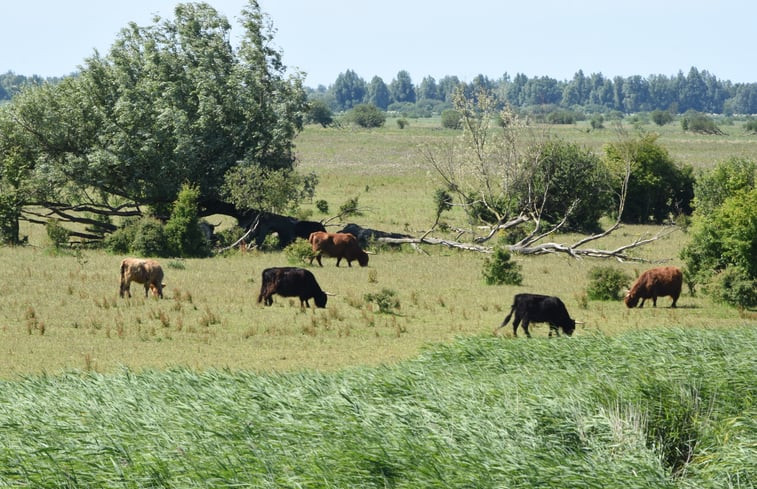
{"x": 208, "y": 388}
{"x": 62, "y": 311}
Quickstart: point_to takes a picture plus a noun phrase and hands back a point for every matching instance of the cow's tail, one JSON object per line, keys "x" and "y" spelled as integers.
{"x": 506, "y": 320}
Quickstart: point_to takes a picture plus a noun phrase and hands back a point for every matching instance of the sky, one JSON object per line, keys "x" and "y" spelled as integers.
{"x": 462, "y": 38}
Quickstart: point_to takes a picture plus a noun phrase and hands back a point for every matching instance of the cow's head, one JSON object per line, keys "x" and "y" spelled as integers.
{"x": 631, "y": 300}
{"x": 569, "y": 327}
{"x": 320, "y": 299}
{"x": 362, "y": 258}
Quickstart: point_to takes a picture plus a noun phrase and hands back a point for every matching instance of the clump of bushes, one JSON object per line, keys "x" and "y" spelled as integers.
{"x": 386, "y": 300}
{"x": 298, "y": 252}
{"x": 606, "y": 283}
{"x": 451, "y": 119}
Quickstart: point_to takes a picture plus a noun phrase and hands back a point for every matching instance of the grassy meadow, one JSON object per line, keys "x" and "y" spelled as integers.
{"x": 208, "y": 388}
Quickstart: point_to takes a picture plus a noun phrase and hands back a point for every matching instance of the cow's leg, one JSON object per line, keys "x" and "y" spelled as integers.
{"x": 515, "y": 324}
{"x": 525, "y": 327}
{"x": 654, "y": 301}
{"x": 642, "y": 302}
{"x": 318, "y": 259}
{"x": 338, "y": 259}
{"x": 126, "y": 288}
{"x": 675, "y": 299}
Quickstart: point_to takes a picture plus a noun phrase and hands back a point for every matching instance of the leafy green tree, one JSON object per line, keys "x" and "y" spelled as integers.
{"x": 378, "y": 93}
{"x": 725, "y": 241}
{"x": 574, "y": 182}
{"x": 728, "y": 178}
{"x": 428, "y": 89}
{"x": 700, "y": 123}
{"x": 349, "y": 90}
{"x": 401, "y": 88}
{"x": 657, "y": 187}
{"x": 367, "y": 115}
{"x": 171, "y": 103}
{"x": 451, "y": 119}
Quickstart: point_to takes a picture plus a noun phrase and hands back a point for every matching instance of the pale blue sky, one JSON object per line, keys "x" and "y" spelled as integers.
{"x": 426, "y": 38}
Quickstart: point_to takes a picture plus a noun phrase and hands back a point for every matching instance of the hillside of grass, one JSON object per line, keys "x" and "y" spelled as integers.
{"x": 670, "y": 408}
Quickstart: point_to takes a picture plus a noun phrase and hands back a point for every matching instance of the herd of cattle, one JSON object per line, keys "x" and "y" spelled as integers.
{"x": 299, "y": 282}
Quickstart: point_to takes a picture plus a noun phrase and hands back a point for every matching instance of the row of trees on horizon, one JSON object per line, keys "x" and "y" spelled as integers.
{"x": 698, "y": 90}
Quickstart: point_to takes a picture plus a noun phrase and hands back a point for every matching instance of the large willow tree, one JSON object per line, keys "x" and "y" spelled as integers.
{"x": 171, "y": 103}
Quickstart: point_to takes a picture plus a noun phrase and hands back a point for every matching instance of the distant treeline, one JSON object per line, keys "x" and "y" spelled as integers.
{"x": 698, "y": 90}
{"x": 11, "y": 83}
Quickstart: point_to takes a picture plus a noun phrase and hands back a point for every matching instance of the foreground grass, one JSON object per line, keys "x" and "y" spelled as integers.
{"x": 650, "y": 409}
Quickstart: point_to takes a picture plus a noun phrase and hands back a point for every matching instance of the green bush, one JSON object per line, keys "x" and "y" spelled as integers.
{"x": 733, "y": 286}
{"x": 57, "y": 234}
{"x": 751, "y": 126}
{"x": 182, "y": 230}
{"x": 661, "y": 117}
{"x": 367, "y": 115}
{"x": 322, "y": 206}
{"x": 606, "y": 283}
{"x": 149, "y": 238}
{"x": 386, "y": 300}
{"x": 451, "y": 119}
{"x": 700, "y": 123}
{"x": 298, "y": 252}
{"x": 500, "y": 270}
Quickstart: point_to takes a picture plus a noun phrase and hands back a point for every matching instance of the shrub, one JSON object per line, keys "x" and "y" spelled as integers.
{"x": 298, "y": 252}
{"x": 319, "y": 113}
{"x": 700, "y": 123}
{"x": 57, "y": 234}
{"x": 183, "y": 234}
{"x": 606, "y": 283}
{"x": 402, "y": 123}
{"x": 733, "y": 286}
{"x": 451, "y": 119}
{"x": 149, "y": 238}
{"x": 386, "y": 300}
{"x": 499, "y": 270}
{"x": 322, "y": 206}
{"x": 350, "y": 208}
{"x": 367, "y": 115}
{"x": 751, "y": 126}
{"x": 661, "y": 117}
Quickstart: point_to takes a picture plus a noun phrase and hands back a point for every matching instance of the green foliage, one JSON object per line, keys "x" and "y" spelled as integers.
{"x": 452, "y": 119}
{"x": 402, "y": 123}
{"x": 367, "y": 115}
{"x": 563, "y": 117}
{"x": 500, "y": 269}
{"x": 751, "y": 125}
{"x": 322, "y": 205}
{"x": 350, "y": 207}
{"x": 169, "y": 103}
{"x": 726, "y": 239}
{"x": 57, "y": 234}
{"x": 282, "y": 193}
{"x": 597, "y": 121}
{"x": 386, "y": 300}
{"x": 700, "y": 123}
{"x": 657, "y": 187}
{"x": 229, "y": 236}
{"x": 349, "y": 90}
{"x": 319, "y": 113}
{"x": 733, "y": 286}
{"x": 182, "y": 230}
{"x": 729, "y": 177}
{"x": 149, "y": 239}
{"x": 661, "y": 117}
{"x": 298, "y": 252}
{"x": 606, "y": 283}
{"x": 567, "y": 172}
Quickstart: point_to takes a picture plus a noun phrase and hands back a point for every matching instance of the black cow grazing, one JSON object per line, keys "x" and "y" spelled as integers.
{"x": 291, "y": 282}
{"x": 535, "y": 308}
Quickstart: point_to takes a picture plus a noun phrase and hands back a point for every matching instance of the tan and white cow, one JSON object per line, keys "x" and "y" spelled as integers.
{"x": 141, "y": 271}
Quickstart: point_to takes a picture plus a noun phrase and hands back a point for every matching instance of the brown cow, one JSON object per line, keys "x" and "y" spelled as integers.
{"x": 654, "y": 283}
{"x": 337, "y": 245}
{"x": 147, "y": 272}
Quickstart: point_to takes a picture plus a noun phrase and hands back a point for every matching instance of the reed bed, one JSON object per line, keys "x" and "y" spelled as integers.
{"x": 670, "y": 408}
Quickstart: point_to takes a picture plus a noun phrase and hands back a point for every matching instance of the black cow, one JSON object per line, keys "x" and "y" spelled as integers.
{"x": 535, "y": 308}
{"x": 291, "y": 282}
{"x": 303, "y": 229}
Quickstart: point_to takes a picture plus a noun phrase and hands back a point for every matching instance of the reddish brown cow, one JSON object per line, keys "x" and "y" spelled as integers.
{"x": 147, "y": 272}
{"x": 654, "y": 283}
{"x": 337, "y": 245}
